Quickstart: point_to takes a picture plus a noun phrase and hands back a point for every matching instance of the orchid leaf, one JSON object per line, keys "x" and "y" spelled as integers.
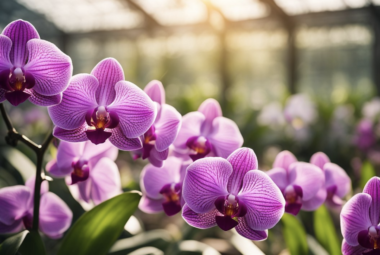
{"x": 98, "y": 229}
{"x": 294, "y": 235}
{"x": 325, "y": 231}
{"x": 11, "y": 245}
{"x": 367, "y": 172}
{"x": 32, "y": 245}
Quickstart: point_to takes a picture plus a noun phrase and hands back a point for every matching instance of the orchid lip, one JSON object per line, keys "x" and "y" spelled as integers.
{"x": 293, "y": 196}
{"x": 199, "y": 146}
{"x": 80, "y": 171}
{"x": 370, "y": 238}
{"x": 172, "y": 195}
{"x": 231, "y": 209}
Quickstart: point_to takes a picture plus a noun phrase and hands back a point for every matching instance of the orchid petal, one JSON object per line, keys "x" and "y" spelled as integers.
{"x": 284, "y": 159}
{"x": 119, "y": 140}
{"x": 74, "y": 135}
{"x": 68, "y": 152}
{"x": 319, "y": 159}
{"x": 316, "y": 201}
{"x": 31, "y": 182}
{"x": 373, "y": 189}
{"x": 5, "y": 63}
{"x": 13, "y": 203}
{"x": 199, "y": 220}
{"x": 191, "y": 126}
{"x": 244, "y": 230}
{"x": 155, "y": 90}
{"x": 94, "y": 152}
{"x": 53, "y": 168}
{"x": 150, "y": 205}
{"x": 352, "y": 250}
{"x": 15, "y": 227}
{"x": 42, "y": 100}
{"x": 211, "y": 110}
{"x": 84, "y": 190}
{"x": 335, "y": 175}
{"x": 279, "y": 176}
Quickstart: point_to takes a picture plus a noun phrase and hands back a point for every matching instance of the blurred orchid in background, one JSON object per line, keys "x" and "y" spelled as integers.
{"x": 232, "y": 194}
{"x": 101, "y": 106}
{"x": 91, "y": 168}
{"x": 31, "y": 68}
{"x": 365, "y": 135}
{"x": 162, "y": 187}
{"x": 360, "y": 218}
{"x": 300, "y": 111}
{"x": 163, "y": 132}
{"x": 207, "y": 133}
{"x": 16, "y": 210}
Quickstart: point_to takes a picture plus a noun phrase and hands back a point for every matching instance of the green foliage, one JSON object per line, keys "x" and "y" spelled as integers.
{"x": 325, "y": 231}
{"x": 32, "y": 244}
{"x": 367, "y": 172}
{"x": 294, "y": 235}
{"x": 13, "y": 243}
{"x": 98, "y": 229}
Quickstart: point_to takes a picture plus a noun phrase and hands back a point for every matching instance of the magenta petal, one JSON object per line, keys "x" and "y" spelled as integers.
{"x": 319, "y": 159}
{"x": 199, "y": 220}
{"x": 279, "y": 176}
{"x": 69, "y": 152}
{"x": 16, "y": 97}
{"x": 316, "y": 201}
{"x": 94, "y": 153}
{"x": 41, "y": 100}
{"x": 293, "y": 208}
{"x": 335, "y": 175}
{"x": 352, "y": 250}
{"x": 191, "y": 126}
{"x": 206, "y": 180}
{"x": 53, "y": 168}
{"x": 98, "y": 136}
{"x": 263, "y": 199}
{"x": 74, "y": 135}
{"x": 119, "y": 140}
{"x": 155, "y": 90}
{"x": 5, "y": 64}
{"x": 284, "y": 159}
{"x": 355, "y": 218}
{"x": 225, "y": 137}
{"x": 210, "y": 109}
{"x": 20, "y": 32}
{"x": 244, "y": 230}
{"x": 15, "y": 227}
{"x": 373, "y": 189}
{"x": 225, "y": 222}
{"x": 167, "y": 127}
{"x": 77, "y": 100}
{"x": 13, "y": 203}
{"x": 108, "y": 72}
{"x": 242, "y": 160}
{"x": 55, "y": 215}
{"x": 150, "y": 205}
{"x": 105, "y": 181}
{"x": 84, "y": 190}
{"x": 135, "y": 109}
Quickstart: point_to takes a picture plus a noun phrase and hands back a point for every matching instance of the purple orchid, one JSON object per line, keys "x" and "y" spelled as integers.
{"x": 101, "y": 106}
{"x": 90, "y": 167}
{"x": 359, "y": 220}
{"x": 365, "y": 135}
{"x": 337, "y": 184}
{"x": 206, "y": 133}
{"x": 163, "y": 132}
{"x": 16, "y": 210}
{"x": 232, "y": 194}
{"x": 298, "y": 181}
{"x": 162, "y": 187}
{"x": 31, "y": 68}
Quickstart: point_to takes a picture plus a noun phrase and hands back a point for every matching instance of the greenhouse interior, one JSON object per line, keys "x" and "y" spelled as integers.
{"x": 287, "y": 90}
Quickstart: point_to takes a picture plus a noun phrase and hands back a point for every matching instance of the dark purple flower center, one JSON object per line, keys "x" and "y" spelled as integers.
{"x": 199, "y": 147}
{"x": 370, "y": 239}
{"x": 149, "y": 139}
{"x": 28, "y": 221}
{"x": 98, "y": 120}
{"x": 172, "y": 195}
{"x": 80, "y": 171}
{"x": 293, "y": 197}
{"x": 231, "y": 209}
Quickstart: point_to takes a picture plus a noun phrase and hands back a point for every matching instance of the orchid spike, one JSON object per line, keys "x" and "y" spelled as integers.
{"x": 232, "y": 193}
{"x": 101, "y": 106}
{"x": 16, "y": 210}
{"x": 298, "y": 181}
{"x": 31, "y": 68}
{"x": 207, "y": 133}
{"x": 163, "y": 132}
{"x": 90, "y": 170}
{"x": 359, "y": 220}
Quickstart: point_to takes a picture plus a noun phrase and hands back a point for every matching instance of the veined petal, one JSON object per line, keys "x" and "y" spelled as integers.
{"x": 20, "y": 32}
{"x": 77, "y": 100}
{"x": 5, "y": 49}
{"x": 354, "y": 217}
{"x": 55, "y": 215}
{"x": 105, "y": 181}
{"x": 13, "y": 203}
{"x": 373, "y": 189}
{"x": 211, "y": 110}
{"x": 316, "y": 201}
{"x": 225, "y": 137}
{"x": 335, "y": 175}
{"x": 199, "y": 220}
{"x": 352, "y": 250}
{"x": 155, "y": 90}
{"x": 309, "y": 177}
{"x": 42, "y": 100}
{"x": 67, "y": 152}
{"x": 167, "y": 127}
{"x": 135, "y": 109}
{"x": 73, "y": 135}
{"x": 84, "y": 190}
{"x": 206, "y": 180}
{"x": 94, "y": 152}
{"x": 150, "y": 205}
{"x": 242, "y": 160}
{"x": 263, "y": 199}
{"x": 108, "y": 72}
{"x": 319, "y": 159}
{"x": 284, "y": 159}
{"x": 191, "y": 126}
{"x": 124, "y": 143}
{"x": 244, "y": 230}
{"x": 279, "y": 176}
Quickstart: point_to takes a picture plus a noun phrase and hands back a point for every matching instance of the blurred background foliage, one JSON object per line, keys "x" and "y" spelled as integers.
{"x": 250, "y": 55}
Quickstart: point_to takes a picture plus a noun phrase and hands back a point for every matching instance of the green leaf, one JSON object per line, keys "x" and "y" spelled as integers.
{"x": 32, "y": 245}
{"x": 294, "y": 235}
{"x": 367, "y": 173}
{"x": 98, "y": 229}
{"x": 325, "y": 231}
{"x": 12, "y": 244}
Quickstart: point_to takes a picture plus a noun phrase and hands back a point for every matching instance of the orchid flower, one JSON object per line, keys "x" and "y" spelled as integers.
{"x": 300, "y": 111}
{"x": 90, "y": 168}
{"x": 231, "y": 193}
{"x": 162, "y": 187}
{"x": 359, "y": 220}
{"x": 337, "y": 184}
{"x": 101, "y": 106}
{"x": 16, "y": 210}
{"x": 207, "y": 133}
{"x": 365, "y": 135}
{"x": 298, "y": 181}
{"x": 163, "y": 132}
{"x": 31, "y": 68}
